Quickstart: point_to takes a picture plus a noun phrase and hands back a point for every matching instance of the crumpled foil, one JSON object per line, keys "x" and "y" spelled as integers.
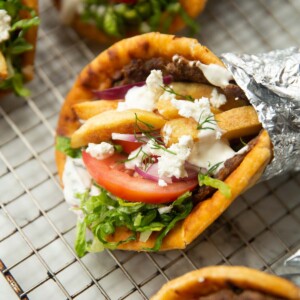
{"x": 271, "y": 81}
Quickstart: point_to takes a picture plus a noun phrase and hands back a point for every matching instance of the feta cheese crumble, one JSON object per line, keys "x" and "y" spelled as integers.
{"x": 172, "y": 164}
{"x": 5, "y": 20}
{"x": 136, "y": 157}
{"x": 100, "y": 151}
{"x": 198, "y": 110}
{"x": 161, "y": 182}
{"x": 167, "y": 130}
{"x": 144, "y": 97}
{"x": 165, "y": 96}
{"x": 216, "y": 99}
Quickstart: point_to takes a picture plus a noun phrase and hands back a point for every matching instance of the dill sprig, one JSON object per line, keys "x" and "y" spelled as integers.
{"x": 243, "y": 142}
{"x": 213, "y": 168}
{"x": 210, "y": 119}
{"x": 170, "y": 90}
{"x": 149, "y": 134}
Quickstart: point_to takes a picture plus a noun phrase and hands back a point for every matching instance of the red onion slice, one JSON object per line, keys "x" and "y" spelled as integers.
{"x": 119, "y": 92}
{"x": 124, "y": 137}
{"x": 145, "y": 174}
{"x": 152, "y": 173}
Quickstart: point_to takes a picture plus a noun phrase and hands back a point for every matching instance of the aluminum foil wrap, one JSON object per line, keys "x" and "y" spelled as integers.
{"x": 271, "y": 81}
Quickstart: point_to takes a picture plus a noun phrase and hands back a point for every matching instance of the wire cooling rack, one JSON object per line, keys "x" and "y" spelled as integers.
{"x": 37, "y": 230}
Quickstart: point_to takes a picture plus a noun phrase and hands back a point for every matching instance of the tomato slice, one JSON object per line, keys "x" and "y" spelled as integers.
{"x": 128, "y": 147}
{"x": 112, "y": 175}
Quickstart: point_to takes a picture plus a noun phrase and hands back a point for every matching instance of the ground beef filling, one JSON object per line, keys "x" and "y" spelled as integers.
{"x": 228, "y": 294}
{"x": 138, "y": 70}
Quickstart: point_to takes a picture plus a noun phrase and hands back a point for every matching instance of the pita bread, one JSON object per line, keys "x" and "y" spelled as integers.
{"x": 31, "y": 37}
{"x": 212, "y": 279}
{"x": 99, "y": 75}
{"x": 90, "y": 31}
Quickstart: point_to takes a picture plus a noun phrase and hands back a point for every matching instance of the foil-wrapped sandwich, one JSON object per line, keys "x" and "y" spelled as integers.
{"x": 154, "y": 142}
{"x": 226, "y": 282}
{"x": 108, "y": 21}
{"x": 18, "y": 34}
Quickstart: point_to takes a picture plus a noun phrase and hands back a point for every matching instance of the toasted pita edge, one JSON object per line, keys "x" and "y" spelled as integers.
{"x": 211, "y": 279}
{"x": 98, "y": 74}
{"x": 90, "y": 31}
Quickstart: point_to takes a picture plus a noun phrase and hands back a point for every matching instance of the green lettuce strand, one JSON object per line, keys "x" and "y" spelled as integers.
{"x": 63, "y": 144}
{"x": 186, "y": 209}
{"x": 80, "y": 241}
{"x": 215, "y": 183}
{"x": 25, "y": 24}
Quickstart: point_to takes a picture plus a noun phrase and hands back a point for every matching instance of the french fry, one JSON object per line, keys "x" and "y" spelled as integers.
{"x": 3, "y": 67}
{"x": 238, "y": 122}
{"x": 88, "y": 109}
{"x": 235, "y": 123}
{"x": 100, "y": 127}
{"x": 179, "y": 127}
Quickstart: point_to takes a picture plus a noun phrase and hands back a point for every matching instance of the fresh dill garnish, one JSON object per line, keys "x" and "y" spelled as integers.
{"x": 210, "y": 119}
{"x": 213, "y": 168}
{"x": 149, "y": 135}
{"x": 243, "y": 142}
{"x": 170, "y": 90}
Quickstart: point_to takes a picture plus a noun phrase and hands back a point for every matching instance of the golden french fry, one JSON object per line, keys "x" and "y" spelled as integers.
{"x": 238, "y": 122}
{"x": 235, "y": 123}
{"x": 198, "y": 90}
{"x": 88, "y": 109}
{"x": 176, "y": 128}
{"x": 100, "y": 127}
{"x": 3, "y": 67}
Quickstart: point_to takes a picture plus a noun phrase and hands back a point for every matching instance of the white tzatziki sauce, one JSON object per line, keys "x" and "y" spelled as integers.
{"x": 76, "y": 179}
{"x": 215, "y": 74}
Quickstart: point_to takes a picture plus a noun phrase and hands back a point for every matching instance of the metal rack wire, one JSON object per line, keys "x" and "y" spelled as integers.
{"x": 260, "y": 229}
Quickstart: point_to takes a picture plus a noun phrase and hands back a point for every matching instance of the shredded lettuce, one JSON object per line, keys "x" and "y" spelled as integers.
{"x": 103, "y": 214}
{"x": 16, "y": 45}
{"x": 80, "y": 243}
{"x": 63, "y": 144}
{"x": 205, "y": 179}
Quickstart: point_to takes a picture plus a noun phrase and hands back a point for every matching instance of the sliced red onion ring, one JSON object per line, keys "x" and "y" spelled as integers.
{"x": 124, "y": 137}
{"x": 145, "y": 174}
{"x": 129, "y": 137}
{"x": 152, "y": 173}
{"x": 119, "y": 92}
